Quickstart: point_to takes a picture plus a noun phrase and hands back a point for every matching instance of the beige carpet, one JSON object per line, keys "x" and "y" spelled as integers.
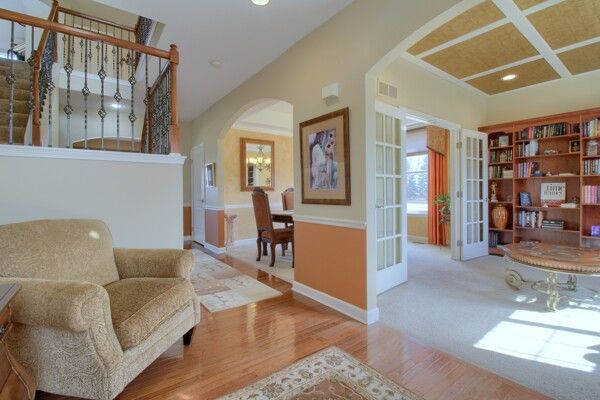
{"x": 328, "y": 374}
{"x": 220, "y": 287}
{"x": 246, "y": 251}
{"x": 467, "y": 310}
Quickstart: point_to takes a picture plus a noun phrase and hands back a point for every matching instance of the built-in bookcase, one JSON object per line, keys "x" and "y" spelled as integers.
{"x": 522, "y": 154}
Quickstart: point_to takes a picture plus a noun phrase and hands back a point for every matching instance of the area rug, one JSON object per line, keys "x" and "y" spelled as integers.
{"x": 328, "y": 374}
{"x": 221, "y": 287}
{"x": 246, "y": 251}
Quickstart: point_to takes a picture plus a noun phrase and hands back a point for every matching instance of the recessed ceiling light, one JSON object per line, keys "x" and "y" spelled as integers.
{"x": 216, "y": 63}
{"x": 509, "y": 77}
{"x": 261, "y": 2}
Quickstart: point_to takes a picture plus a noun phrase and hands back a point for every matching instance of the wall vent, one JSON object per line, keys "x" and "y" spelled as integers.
{"x": 385, "y": 89}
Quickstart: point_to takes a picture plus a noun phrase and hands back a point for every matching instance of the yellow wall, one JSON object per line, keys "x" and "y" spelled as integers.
{"x": 239, "y": 202}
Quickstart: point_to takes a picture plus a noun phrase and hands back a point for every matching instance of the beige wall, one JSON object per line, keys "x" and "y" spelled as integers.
{"x": 140, "y": 202}
{"x": 417, "y": 226}
{"x": 342, "y": 50}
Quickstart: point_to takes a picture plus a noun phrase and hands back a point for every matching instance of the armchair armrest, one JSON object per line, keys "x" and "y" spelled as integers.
{"x": 154, "y": 263}
{"x": 70, "y": 305}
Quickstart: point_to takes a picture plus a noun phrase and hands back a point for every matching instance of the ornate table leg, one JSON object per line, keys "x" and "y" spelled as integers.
{"x": 571, "y": 283}
{"x": 553, "y": 295}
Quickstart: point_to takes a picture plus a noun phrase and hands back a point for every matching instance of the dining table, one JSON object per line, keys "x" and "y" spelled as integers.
{"x": 283, "y": 216}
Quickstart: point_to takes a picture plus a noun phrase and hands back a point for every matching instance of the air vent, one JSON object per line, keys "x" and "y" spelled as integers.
{"x": 385, "y": 89}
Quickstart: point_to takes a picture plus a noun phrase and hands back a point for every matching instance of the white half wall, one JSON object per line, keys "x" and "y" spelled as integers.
{"x": 139, "y": 196}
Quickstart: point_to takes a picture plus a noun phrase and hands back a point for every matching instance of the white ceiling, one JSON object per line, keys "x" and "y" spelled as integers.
{"x": 273, "y": 116}
{"x": 244, "y": 37}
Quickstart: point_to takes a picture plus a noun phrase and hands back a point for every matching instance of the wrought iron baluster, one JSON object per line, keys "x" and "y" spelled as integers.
{"x": 10, "y": 79}
{"x": 132, "y": 117}
{"x": 69, "y": 69}
{"x": 118, "y": 99}
{"x": 146, "y": 102}
{"x": 86, "y": 92}
{"x": 31, "y": 62}
{"x": 102, "y": 110}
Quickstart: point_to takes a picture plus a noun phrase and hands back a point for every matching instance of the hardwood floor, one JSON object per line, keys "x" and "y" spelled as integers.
{"x": 233, "y": 348}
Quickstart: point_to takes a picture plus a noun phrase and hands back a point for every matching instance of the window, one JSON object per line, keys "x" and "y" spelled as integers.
{"x": 417, "y": 179}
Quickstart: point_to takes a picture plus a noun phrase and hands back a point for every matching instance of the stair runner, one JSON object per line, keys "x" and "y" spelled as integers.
{"x": 22, "y": 74}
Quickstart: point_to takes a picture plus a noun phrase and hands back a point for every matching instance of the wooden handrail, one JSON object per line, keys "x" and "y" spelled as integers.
{"x": 159, "y": 79}
{"x": 82, "y": 33}
{"x": 96, "y": 19}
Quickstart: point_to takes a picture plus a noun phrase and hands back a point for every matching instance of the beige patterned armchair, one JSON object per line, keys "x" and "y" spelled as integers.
{"x": 90, "y": 318}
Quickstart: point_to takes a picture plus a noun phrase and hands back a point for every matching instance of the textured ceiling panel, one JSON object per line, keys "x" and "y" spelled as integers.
{"x": 583, "y": 59}
{"x": 501, "y": 46}
{"x": 477, "y": 17}
{"x": 568, "y": 22}
{"x": 527, "y": 74}
{"x": 525, "y": 4}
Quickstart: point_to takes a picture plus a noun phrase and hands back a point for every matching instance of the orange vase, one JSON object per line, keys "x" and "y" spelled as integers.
{"x": 500, "y": 216}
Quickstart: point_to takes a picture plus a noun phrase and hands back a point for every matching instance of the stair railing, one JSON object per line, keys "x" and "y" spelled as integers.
{"x": 96, "y": 51}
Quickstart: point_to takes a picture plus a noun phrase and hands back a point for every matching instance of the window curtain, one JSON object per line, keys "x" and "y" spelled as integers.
{"x": 437, "y": 144}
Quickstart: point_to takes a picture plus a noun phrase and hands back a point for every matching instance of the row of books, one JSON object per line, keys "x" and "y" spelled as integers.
{"x": 591, "y": 167}
{"x": 530, "y": 219}
{"x": 537, "y": 132}
{"x": 591, "y": 128}
{"x": 553, "y": 224}
{"x": 526, "y": 169}
{"x": 500, "y": 171}
{"x": 591, "y": 194}
{"x": 494, "y": 239}
{"x": 529, "y": 149}
{"x": 501, "y": 156}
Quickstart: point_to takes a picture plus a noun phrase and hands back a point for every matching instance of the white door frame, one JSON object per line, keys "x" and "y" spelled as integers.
{"x": 454, "y": 169}
{"x": 198, "y": 237}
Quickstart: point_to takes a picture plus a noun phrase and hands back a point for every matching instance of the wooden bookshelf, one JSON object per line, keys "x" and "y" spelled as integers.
{"x": 569, "y": 153}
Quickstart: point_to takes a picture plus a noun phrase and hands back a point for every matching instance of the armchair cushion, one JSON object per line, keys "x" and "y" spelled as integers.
{"x": 155, "y": 263}
{"x": 139, "y": 305}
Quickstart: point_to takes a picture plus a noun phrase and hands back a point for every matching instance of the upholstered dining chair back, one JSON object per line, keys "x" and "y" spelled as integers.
{"x": 262, "y": 211}
{"x": 287, "y": 199}
{"x": 77, "y": 250}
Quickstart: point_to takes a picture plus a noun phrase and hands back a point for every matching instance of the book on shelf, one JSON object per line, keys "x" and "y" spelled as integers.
{"x": 591, "y": 167}
{"x": 494, "y": 239}
{"x": 528, "y": 149}
{"x": 591, "y": 128}
{"x": 525, "y": 199}
{"x": 591, "y": 194}
{"x": 530, "y": 219}
{"x": 543, "y": 131}
{"x": 553, "y": 224}
{"x": 526, "y": 169}
{"x": 501, "y": 156}
{"x": 499, "y": 171}
{"x": 507, "y": 173}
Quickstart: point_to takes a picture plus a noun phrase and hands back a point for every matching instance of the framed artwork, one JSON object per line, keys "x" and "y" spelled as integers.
{"x": 325, "y": 159}
{"x": 209, "y": 174}
{"x": 553, "y": 194}
{"x": 574, "y": 146}
{"x": 257, "y": 164}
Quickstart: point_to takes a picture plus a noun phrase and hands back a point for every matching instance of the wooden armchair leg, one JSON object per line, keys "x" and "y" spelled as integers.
{"x": 272, "y": 255}
{"x": 187, "y": 337}
{"x": 258, "y": 245}
{"x": 265, "y": 249}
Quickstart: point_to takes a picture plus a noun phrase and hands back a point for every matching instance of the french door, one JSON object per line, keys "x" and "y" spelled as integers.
{"x": 474, "y": 204}
{"x": 198, "y": 193}
{"x": 390, "y": 175}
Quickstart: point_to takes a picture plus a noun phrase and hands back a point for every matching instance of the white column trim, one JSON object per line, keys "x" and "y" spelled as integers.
{"x": 365, "y": 316}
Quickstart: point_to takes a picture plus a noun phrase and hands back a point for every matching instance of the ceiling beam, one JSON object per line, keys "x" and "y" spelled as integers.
{"x": 520, "y": 21}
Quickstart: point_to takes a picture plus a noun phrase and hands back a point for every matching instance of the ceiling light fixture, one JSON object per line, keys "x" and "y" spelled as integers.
{"x": 215, "y": 63}
{"x": 116, "y": 105}
{"x": 261, "y": 2}
{"x": 509, "y": 77}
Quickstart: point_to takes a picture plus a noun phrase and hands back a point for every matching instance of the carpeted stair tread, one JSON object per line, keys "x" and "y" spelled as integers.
{"x": 19, "y": 119}
{"x": 18, "y": 94}
{"x": 19, "y": 106}
{"x": 18, "y": 134}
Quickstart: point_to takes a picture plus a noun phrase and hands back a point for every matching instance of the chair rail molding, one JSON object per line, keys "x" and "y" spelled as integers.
{"x": 344, "y": 223}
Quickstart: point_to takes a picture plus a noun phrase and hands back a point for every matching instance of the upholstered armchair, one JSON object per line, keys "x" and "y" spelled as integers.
{"x": 90, "y": 318}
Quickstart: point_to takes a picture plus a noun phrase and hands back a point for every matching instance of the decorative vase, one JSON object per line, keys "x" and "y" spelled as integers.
{"x": 500, "y": 216}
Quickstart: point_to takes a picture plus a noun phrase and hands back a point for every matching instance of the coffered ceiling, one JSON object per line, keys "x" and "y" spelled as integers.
{"x": 536, "y": 40}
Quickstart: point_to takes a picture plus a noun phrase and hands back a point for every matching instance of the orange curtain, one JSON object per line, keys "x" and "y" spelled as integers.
{"x": 437, "y": 184}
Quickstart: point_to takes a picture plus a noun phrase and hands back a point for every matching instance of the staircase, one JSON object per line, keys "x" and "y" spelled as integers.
{"x": 22, "y": 74}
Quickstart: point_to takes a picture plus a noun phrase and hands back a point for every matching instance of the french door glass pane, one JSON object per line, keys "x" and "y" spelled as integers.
{"x": 389, "y": 160}
{"x": 380, "y": 223}
{"x": 389, "y": 247}
{"x": 379, "y": 160}
{"x": 379, "y": 129}
{"x": 389, "y": 133}
{"x": 380, "y": 255}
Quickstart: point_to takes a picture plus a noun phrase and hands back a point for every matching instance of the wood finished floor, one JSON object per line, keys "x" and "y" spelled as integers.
{"x": 233, "y": 348}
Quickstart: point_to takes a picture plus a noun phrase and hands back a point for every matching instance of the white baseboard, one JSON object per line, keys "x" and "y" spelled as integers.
{"x": 244, "y": 242}
{"x": 417, "y": 239}
{"x": 365, "y": 316}
{"x": 214, "y": 249}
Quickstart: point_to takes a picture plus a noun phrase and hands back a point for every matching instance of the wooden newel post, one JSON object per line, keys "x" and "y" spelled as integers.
{"x": 174, "y": 128}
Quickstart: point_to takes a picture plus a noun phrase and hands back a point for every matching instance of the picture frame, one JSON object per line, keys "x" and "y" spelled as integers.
{"x": 553, "y": 194}
{"x": 574, "y": 146}
{"x": 503, "y": 141}
{"x": 257, "y": 164}
{"x": 325, "y": 159}
{"x": 525, "y": 199}
{"x": 209, "y": 174}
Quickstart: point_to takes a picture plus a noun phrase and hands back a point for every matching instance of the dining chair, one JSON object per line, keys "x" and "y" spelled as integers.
{"x": 267, "y": 234}
{"x": 287, "y": 199}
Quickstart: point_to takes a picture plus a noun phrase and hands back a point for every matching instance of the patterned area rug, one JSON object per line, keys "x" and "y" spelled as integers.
{"x": 220, "y": 287}
{"x": 328, "y": 374}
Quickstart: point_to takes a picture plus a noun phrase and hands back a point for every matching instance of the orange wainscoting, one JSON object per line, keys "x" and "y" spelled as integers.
{"x": 187, "y": 221}
{"x": 332, "y": 260}
{"x": 214, "y": 231}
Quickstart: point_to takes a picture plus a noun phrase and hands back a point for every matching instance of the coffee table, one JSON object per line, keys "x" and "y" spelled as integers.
{"x": 554, "y": 260}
